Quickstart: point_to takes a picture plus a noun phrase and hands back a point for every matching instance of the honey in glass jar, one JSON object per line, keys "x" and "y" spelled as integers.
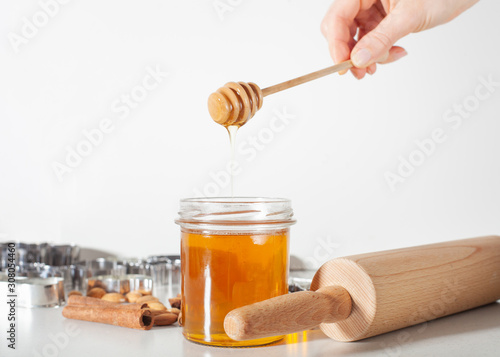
{"x": 234, "y": 252}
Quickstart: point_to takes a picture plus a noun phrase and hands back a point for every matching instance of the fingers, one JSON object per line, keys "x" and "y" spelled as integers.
{"x": 377, "y": 45}
{"x": 339, "y": 41}
{"x": 371, "y": 69}
{"x": 377, "y": 34}
{"x": 339, "y": 28}
{"x": 395, "y": 53}
{"x": 359, "y": 73}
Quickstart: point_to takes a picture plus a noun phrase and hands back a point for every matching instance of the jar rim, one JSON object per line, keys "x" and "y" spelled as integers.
{"x": 235, "y": 211}
{"x": 236, "y": 200}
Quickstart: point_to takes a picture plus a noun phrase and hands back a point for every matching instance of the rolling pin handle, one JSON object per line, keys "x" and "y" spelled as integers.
{"x": 288, "y": 313}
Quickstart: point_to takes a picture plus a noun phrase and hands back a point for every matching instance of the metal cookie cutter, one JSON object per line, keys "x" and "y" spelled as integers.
{"x": 122, "y": 284}
{"x": 37, "y": 292}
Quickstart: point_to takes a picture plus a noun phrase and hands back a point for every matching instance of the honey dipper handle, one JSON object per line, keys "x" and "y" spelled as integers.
{"x": 306, "y": 78}
{"x": 288, "y": 313}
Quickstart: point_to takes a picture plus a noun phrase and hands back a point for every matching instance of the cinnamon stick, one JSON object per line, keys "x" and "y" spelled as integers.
{"x": 126, "y": 317}
{"x": 87, "y": 301}
{"x": 175, "y": 302}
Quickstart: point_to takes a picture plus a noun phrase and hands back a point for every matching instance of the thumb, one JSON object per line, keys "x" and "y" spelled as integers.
{"x": 375, "y": 45}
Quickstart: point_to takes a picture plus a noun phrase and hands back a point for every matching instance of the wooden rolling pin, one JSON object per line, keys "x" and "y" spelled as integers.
{"x": 236, "y": 103}
{"x": 364, "y": 295}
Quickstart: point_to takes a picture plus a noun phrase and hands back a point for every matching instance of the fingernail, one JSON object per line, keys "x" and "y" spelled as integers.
{"x": 399, "y": 55}
{"x": 361, "y": 57}
{"x": 344, "y": 71}
{"x": 369, "y": 71}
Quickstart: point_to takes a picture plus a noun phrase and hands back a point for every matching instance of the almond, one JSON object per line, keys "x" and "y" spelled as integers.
{"x": 147, "y": 298}
{"x": 96, "y": 292}
{"x": 74, "y": 292}
{"x": 174, "y": 311}
{"x": 165, "y": 319}
{"x": 157, "y": 312}
{"x": 132, "y": 297}
{"x": 114, "y": 297}
{"x": 179, "y": 319}
{"x": 156, "y": 305}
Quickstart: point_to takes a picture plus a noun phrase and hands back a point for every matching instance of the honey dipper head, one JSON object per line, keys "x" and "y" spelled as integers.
{"x": 219, "y": 107}
{"x": 235, "y": 103}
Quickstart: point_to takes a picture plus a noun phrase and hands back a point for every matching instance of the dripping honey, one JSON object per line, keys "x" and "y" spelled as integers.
{"x": 232, "y": 129}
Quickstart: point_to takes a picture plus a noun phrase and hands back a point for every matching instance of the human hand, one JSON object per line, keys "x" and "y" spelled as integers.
{"x": 378, "y": 24}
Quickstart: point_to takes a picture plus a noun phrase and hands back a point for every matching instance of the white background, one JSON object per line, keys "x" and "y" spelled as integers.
{"x": 330, "y": 159}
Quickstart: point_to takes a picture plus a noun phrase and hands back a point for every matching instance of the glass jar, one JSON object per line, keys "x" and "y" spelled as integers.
{"x": 234, "y": 252}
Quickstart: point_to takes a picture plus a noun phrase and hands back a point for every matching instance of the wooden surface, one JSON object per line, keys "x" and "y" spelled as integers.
{"x": 473, "y": 333}
{"x": 398, "y": 288}
{"x": 389, "y": 290}
{"x": 288, "y": 313}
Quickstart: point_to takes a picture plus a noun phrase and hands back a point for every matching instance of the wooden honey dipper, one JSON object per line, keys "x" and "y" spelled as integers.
{"x": 365, "y": 295}
{"x": 236, "y": 103}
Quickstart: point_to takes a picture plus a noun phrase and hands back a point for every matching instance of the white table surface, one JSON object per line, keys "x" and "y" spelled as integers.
{"x": 472, "y": 333}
